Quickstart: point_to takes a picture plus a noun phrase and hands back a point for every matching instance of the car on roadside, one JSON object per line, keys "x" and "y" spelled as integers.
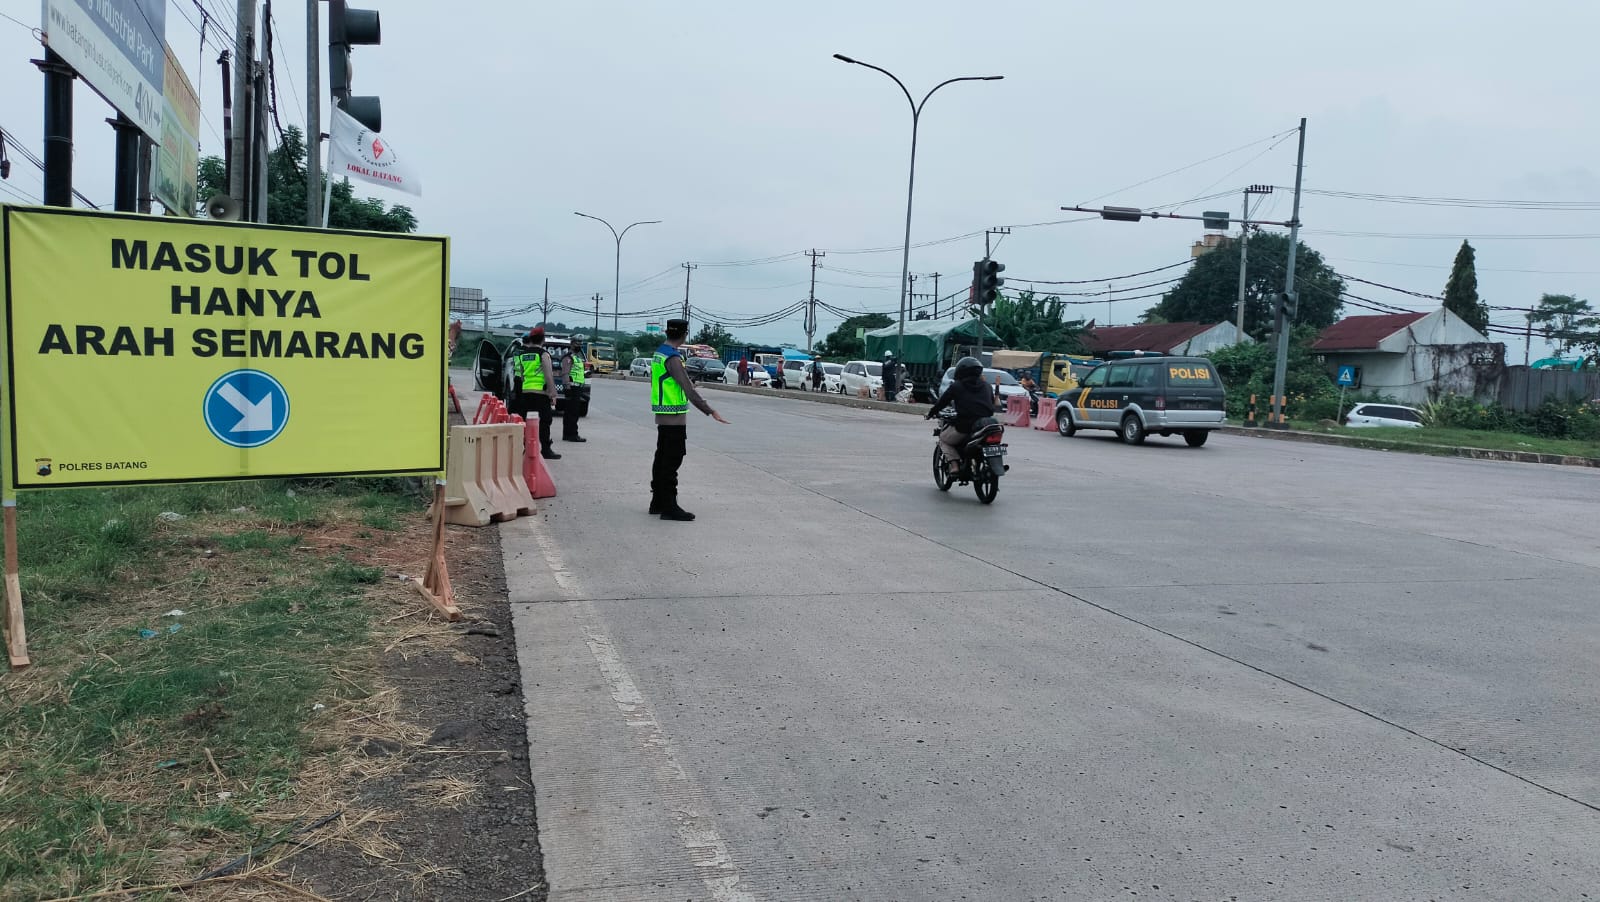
{"x": 797, "y": 374}
{"x": 758, "y": 375}
{"x": 1371, "y": 415}
{"x": 1136, "y": 396}
{"x": 639, "y": 367}
{"x": 703, "y": 369}
{"x": 859, "y": 374}
{"x": 1000, "y": 379}
{"x": 830, "y": 377}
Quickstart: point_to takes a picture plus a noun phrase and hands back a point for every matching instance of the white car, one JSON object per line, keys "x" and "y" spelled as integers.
{"x": 797, "y": 374}
{"x": 830, "y": 377}
{"x": 1001, "y": 379}
{"x": 639, "y": 367}
{"x": 861, "y": 373}
{"x": 1369, "y": 415}
{"x": 758, "y": 375}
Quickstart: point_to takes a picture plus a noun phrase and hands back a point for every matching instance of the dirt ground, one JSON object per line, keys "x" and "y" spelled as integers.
{"x": 459, "y": 816}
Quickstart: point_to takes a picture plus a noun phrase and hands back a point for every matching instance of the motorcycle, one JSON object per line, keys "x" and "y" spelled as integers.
{"x": 983, "y": 458}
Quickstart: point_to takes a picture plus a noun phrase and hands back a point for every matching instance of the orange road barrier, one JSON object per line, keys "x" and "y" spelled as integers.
{"x": 1016, "y": 411}
{"x": 534, "y": 472}
{"x": 1046, "y": 417}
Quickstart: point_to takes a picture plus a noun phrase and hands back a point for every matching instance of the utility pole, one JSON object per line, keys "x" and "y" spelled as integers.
{"x": 911, "y": 293}
{"x": 596, "y": 335}
{"x": 1244, "y": 246}
{"x": 811, "y": 307}
{"x": 1111, "y": 289}
{"x": 1527, "y": 343}
{"x": 997, "y": 230}
{"x": 544, "y": 309}
{"x": 260, "y": 105}
{"x": 1284, "y": 319}
{"x": 242, "y": 150}
{"x": 935, "y": 314}
{"x": 314, "y": 120}
{"x": 687, "y": 269}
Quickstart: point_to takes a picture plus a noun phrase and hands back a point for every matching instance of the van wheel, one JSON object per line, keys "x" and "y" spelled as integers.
{"x": 1064, "y": 424}
{"x": 1132, "y": 431}
{"x": 1197, "y": 437}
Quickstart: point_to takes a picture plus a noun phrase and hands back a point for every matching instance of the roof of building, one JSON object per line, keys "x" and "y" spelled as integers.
{"x": 1164, "y": 337}
{"x": 1362, "y": 333}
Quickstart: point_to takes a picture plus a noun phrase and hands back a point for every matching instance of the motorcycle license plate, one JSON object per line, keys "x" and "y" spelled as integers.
{"x": 994, "y": 451}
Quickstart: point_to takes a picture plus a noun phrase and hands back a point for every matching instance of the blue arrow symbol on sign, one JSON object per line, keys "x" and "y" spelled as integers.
{"x": 235, "y": 419}
{"x": 254, "y": 417}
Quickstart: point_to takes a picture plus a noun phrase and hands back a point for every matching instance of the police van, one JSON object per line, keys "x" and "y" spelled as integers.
{"x": 496, "y": 373}
{"x": 1137, "y": 393}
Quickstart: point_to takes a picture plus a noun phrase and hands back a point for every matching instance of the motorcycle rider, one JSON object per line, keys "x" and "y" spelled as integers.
{"x": 973, "y": 399}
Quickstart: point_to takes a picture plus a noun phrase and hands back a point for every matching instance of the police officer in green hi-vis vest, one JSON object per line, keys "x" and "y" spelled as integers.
{"x": 536, "y": 387}
{"x": 576, "y": 387}
{"x": 671, "y": 392}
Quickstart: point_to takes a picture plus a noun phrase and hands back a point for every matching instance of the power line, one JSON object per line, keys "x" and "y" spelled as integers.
{"x": 1134, "y": 275}
{"x": 288, "y": 72}
{"x": 1572, "y": 206}
{"x": 1188, "y": 167}
{"x": 1453, "y": 236}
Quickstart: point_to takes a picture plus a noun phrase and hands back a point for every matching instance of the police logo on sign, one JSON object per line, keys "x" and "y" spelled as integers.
{"x": 246, "y": 408}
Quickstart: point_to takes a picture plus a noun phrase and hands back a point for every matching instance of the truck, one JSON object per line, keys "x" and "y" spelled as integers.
{"x": 930, "y": 347}
{"x": 1056, "y": 374}
{"x": 600, "y": 357}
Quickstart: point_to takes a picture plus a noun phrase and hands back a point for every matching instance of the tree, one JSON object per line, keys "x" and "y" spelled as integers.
{"x": 842, "y": 343}
{"x": 1248, "y": 369}
{"x": 1031, "y": 323}
{"x": 1209, "y": 292}
{"x": 1566, "y": 322}
{"x": 1461, "y": 290}
{"x": 714, "y": 335}
{"x": 286, "y": 192}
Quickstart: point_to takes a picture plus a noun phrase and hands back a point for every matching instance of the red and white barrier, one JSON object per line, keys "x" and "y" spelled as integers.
{"x": 1046, "y": 417}
{"x": 1016, "y": 411}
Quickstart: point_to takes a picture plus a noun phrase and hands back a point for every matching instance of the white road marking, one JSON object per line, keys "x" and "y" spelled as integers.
{"x": 696, "y": 829}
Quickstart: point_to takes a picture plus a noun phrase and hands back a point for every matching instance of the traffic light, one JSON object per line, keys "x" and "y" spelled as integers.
{"x": 346, "y": 28}
{"x": 986, "y": 282}
{"x": 1287, "y": 304}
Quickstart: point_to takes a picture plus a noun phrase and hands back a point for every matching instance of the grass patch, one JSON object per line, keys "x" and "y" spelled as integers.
{"x": 130, "y": 757}
{"x": 1464, "y": 438}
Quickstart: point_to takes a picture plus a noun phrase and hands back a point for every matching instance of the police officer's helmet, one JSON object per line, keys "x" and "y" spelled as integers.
{"x": 968, "y": 368}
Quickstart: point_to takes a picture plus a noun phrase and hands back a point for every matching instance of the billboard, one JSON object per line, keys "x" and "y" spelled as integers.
{"x": 142, "y": 350}
{"x": 175, "y": 161}
{"x": 117, "y": 46}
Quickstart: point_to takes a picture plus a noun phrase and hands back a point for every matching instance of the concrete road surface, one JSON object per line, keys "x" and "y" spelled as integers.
{"x": 1256, "y": 670}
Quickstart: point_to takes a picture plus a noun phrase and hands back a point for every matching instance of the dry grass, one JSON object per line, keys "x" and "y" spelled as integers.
{"x": 170, "y": 801}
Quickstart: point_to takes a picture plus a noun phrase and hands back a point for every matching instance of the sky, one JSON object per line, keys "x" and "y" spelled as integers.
{"x": 733, "y": 125}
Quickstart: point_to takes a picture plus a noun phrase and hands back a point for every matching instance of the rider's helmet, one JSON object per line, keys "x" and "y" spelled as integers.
{"x": 888, "y": 355}
{"x": 968, "y": 368}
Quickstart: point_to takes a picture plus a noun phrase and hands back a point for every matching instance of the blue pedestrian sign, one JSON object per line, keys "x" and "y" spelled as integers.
{"x": 1349, "y": 377}
{"x": 246, "y": 408}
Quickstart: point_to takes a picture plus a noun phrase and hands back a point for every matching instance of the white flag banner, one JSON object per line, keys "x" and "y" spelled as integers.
{"x": 361, "y": 153}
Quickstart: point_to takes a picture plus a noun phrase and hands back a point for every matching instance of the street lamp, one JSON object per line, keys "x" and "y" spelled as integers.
{"x": 911, "y": 181}
{"x": 616, "y": 284}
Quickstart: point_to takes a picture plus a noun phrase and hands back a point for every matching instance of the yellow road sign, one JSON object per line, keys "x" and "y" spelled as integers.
{"x": 141, "y": 349}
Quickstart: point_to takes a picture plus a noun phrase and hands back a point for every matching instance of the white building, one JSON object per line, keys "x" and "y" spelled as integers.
{"x": 1414, "y": 357}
